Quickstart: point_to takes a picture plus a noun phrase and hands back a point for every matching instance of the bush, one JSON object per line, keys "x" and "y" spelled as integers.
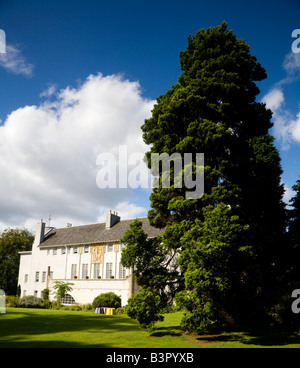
{"x": 12, "y": 301}
{"x": 145, "y": 307}
{"x": 31, "y": 301}
{"x": 107, "y": 300}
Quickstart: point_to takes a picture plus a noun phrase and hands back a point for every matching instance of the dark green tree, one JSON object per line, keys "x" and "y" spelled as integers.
{"x": 12, "y": 241}
{"x": 294, "y": 219}
{"x": 153, "y": 261}
{"x": 213, "y": 109}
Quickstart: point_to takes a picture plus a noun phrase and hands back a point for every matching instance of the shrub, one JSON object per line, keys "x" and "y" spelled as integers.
{"x": 145, "y": 307}
{"x": 12, "y": 301}
{"x": 120, "y": 310}
{"x": 108, "y": 300}
{"x": 31, "y": 301}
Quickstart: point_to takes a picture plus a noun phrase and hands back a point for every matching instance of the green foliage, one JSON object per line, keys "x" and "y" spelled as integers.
{"x": 154, "y": 261}
{"x": 231, "y": 241}
{"x": 31, "y": 301}
{"x": 109, "y": 300}
{"x": 62, "y": 288}
{"x": 145, "y": 307}
{"x": 12, "y": 241}
{"x": 12, "y": 301}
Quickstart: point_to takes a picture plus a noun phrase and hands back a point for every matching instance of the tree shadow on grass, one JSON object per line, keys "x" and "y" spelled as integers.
{"x": 166, "y": 331}
{"x": 20, "y": 327}
{"x": 266, "y": 338}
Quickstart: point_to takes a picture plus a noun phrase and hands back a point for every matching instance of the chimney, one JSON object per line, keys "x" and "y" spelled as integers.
{"x": 40, "y": 232}
{"x": 112, "y": 219}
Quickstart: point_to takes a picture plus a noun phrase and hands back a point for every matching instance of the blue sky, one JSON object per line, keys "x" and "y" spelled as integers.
{"x": 79, "y": 77}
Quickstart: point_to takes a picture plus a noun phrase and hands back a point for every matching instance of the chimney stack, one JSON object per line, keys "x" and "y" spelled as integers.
{"x": 112, "y": 219}
{"x": 40, "y": 232}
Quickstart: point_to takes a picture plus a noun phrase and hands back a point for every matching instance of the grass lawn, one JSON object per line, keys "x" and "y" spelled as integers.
{"x": 21, "y": 327}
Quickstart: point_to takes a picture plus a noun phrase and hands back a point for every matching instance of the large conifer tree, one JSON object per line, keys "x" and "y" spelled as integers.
{"x": 232, "y": 239}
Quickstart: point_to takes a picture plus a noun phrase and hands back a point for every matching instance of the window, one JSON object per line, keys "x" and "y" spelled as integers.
{"x": 75, "y": 250}
{"x": 54, "y": 251}
{"x": 73, "y": 270}
{"x": 110, "y": 247}
{"x": 48, "y": 252}
{"x": 85, "y": 268}
{"x": 68, "y": 299}
{"x": 123, "y": 246}
{"x": 51, "y": 274}
{"x": 44, "y": 276}
{"x": 86, "y": 249}
{"x": 96, "y": 270}
{"x": 68, "y": 250}
{"x": 122, "y": 272}
{"x": 108, "y": 270}
{"x": 63, "y": 250}
{"x": 26, "y": 277}
{"x": 35, "y": 293}
{"x": 37, "y": 276}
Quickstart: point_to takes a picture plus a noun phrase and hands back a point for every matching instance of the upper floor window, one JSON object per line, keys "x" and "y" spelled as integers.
{"x": 110, "y": 247}
{"x": 75, "y": 250}
{"x": 86, "y": 249}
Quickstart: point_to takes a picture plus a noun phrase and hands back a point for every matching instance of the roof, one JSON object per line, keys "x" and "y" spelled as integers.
{"x": 94, "y": 233}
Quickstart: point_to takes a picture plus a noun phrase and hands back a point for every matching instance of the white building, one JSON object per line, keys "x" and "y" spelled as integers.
{"x": 87, "y": 256}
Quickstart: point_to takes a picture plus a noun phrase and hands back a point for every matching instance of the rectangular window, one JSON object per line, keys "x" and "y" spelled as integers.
{"x": 122, "y": 272}
{"x": 44, "y": 276}
{"x": 63, "y": 250}
{"x": 35, "y": 293}
{"x": 37, "y": 276}
{"x": 96, "y": 270}
{"x": 110, "y": 247}
{"x": 51, "y": 274}
{"x": 109, "y": 267}
{"x": 75, "y": 250}
{"x": 26, "y": 277}
{"x": 86, "y": 249}
{"x": 54, "y": 251}
{"x": 73, "y": 270}
{"x": 85, "y": 268}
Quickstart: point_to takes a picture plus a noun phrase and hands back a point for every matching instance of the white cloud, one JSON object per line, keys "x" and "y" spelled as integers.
{"x": 288, "y": 194}
{"x": 286, "y": 127}
{"x": 14, "y": 62}
{"x": 274, "y": 99}
{"x": 49, "y": 91}
{"x": 48, "y": 153}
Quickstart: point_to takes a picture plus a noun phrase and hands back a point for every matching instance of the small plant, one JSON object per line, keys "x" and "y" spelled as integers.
{"x": 112, "y": 277}
{"x": 62, "y": 288}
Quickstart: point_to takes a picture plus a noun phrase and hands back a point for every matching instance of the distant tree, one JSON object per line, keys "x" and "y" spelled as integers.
{"x": 12, "y": 241}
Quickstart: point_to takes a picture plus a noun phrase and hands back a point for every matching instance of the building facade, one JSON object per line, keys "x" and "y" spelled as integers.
{"x": 88, "y": 256}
